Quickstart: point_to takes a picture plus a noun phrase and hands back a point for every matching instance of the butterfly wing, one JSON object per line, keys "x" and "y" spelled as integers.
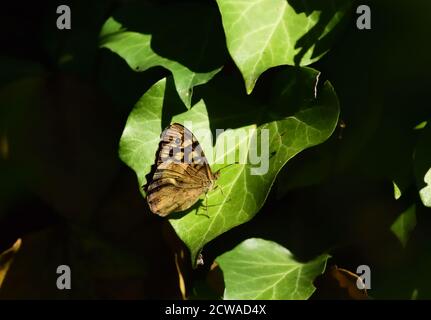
{"x": 169, "y": 195}
{"x": 182, "y": 174}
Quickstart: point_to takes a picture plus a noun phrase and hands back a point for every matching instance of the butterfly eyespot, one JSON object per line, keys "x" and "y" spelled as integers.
{"x": 177, "y": 141}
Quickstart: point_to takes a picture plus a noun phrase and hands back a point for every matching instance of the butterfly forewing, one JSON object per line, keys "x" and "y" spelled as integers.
{"x": 182, "y": 172}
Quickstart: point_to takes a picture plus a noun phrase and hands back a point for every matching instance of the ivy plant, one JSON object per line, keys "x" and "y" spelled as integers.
{"x": 299, "y": 111}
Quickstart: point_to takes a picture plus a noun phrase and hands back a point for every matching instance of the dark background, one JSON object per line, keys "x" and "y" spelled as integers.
{"x": 64, "y": 191}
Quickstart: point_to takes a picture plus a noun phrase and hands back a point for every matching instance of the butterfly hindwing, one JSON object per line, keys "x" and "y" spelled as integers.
{"x": 171, "y": 198}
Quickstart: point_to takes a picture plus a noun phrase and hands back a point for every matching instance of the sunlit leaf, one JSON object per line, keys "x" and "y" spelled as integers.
{"x": 425, "y": 192}
{"x": 193, "y": 55}
{"x": 397, "y": 191}
{"x": 421, "y": 125}
{"x": 262, "y": 34}
{"x": 422, "y": 165}
{"x": 243, "y": 189}
{"x": 261, "y": 269}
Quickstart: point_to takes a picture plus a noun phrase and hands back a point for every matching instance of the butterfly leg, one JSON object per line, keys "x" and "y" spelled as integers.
{"x": 206, "y": 204}
{"x": 221, "y": 190}
{"x": 218, "y": 187}
{"x": 217, "y": 204}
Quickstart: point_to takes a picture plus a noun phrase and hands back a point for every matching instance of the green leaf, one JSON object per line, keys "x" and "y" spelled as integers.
{"x": 422, "y": 166}
{"x": 138, "y": 51}
{"x": 142, "y": 132}
{"x": 261, "y": 269}
{"x": 421, "y": 125}
{"x": 425, "y": 192}
{"x": 294, "y": 119}
{"x": 405, "y": 224}
{"x": 262, "y": 34}
{"x": 397, "y": 191}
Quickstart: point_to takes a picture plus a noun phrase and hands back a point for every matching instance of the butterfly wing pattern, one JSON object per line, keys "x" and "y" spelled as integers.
{"x": 182, "y": 172}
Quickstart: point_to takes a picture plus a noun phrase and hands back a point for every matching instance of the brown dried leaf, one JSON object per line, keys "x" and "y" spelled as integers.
{"x": 6, "y": 259}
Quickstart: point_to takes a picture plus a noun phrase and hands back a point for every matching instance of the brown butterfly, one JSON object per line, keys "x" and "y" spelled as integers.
{"x": 182, "y": 172}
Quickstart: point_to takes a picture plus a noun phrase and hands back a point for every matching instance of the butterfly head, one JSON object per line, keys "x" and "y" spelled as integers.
{"x": 216, "y": 175}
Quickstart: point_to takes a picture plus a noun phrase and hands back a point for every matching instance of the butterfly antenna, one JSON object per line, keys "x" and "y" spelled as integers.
{"x": 231, "y": 164}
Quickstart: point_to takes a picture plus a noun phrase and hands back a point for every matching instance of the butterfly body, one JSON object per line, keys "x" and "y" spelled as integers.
{"x": 182, "y": 172}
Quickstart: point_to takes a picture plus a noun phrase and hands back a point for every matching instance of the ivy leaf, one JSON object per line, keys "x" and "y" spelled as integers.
{"x": 425, "y": 192}
{"x": 420, "y": 126}
{"x": 397, "y": 191}
{"x": 261, "y": 269}
{"x": 422, "y": 166}
{"x": 193, "y": 55}
{"x": 292, "y": 120}
{"x": 405, "y": 224}
{"x": 262, "y": 34}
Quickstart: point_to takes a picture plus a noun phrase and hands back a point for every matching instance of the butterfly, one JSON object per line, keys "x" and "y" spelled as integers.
{"x": 182, "y": 173}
